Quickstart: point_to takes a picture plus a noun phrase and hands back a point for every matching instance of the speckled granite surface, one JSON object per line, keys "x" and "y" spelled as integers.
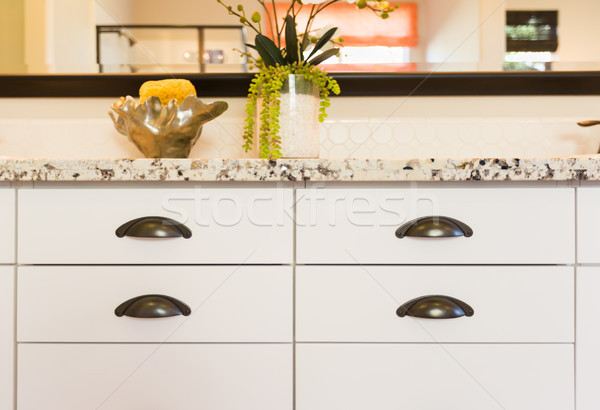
{"x": 484, "y": 169}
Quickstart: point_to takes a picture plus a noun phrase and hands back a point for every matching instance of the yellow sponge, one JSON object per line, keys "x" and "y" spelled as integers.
{"x": 167, "y": 90}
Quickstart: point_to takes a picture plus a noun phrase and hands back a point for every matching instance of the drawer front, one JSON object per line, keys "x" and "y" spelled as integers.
{"x": 161, "y": 377}
{"x": 433, "y": 377}
{"x": 230, "y": 226}
{"x": 7, "y": 226}
{"x": 359, "y": 304}
{"x": 510, "y": 226}
{"x": 588, "y": 338}
{"x": 228, "y": 303}
{"x": 7, "y": 342}
{"x": 588, "y": 225}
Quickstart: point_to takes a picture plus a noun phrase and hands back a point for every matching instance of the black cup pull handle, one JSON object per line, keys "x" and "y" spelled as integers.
{"x": 434, "y": 227}
{"x": 154, "y": 227}
{"x": 435, "y": 307}
{"x": 152, "y": 306}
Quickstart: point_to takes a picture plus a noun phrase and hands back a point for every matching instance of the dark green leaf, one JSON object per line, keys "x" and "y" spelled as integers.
{"x": 305, "y": 43}
{"x": 324, "y": 56}
{"x": 322, "y": 41}
{"x": 250, "y": 45}
{"x": 291, "y": 40}
{"x": 266, "y": 57}
{"x": 268, "y": 51}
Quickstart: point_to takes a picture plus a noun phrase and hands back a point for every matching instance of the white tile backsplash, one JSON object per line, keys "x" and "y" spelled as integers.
{"x": 356, "y": 127}
{"x": 451, "y": 138}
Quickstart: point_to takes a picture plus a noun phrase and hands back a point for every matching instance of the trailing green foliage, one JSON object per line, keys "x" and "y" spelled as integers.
{"x": 278, "y": 60}
{"x": 267, "y": 85}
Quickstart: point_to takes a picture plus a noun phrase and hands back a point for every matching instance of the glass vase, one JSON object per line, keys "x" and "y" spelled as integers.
{"x": 298, "y": 118}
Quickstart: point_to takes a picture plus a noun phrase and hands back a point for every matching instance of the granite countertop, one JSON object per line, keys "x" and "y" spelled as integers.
{"x": 577, "y": 168}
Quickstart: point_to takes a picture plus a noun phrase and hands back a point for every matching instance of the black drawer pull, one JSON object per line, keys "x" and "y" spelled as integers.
{"x": 435, "y": 307}
{"x": 434, "y": 227}
{"x": 152, "y": 306}
{"x": 154, "y": 227}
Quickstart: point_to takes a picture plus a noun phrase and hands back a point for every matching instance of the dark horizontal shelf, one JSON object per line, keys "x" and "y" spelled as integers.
{"x": 352, "y": 84}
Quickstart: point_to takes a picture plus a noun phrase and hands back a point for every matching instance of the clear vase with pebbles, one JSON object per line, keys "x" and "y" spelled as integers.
{"x": 299, "y": 130}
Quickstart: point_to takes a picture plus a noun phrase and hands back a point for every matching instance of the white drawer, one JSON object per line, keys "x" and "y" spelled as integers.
{"x": 588, "y": 225}
{"x": 228, "y": 303}
{"x": 158, "y": 377}
{"x": 228, "y": 226}
{"x": 510, "y": 225}
{"x": 588, "y": 338}
{"x": 434, "y": 377}
{"x": 7, "y": 225}
{"x": 359, "y": 304}
{"x": 7, "y": 341}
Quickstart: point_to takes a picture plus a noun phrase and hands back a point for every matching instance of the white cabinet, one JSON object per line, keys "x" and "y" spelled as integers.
{"x": 588, "y": 291}
{"x": 588, "y": 338}
{"x": 364, "y": 253}
{"x": 7, "y": 296}
{"x": 434, "y": 377}
{"x": 228, "y": 303}
{"x": 7, "y": 226}
{"x": 153, "y": 376}
{"x": 7, "y": 339}
{"x": 227, "y": 226}
{"x": 262, "y": 319}
{"x": 509, "y": 226}
{"x": 525, "y": 304}
{"x": 588, "y": 226}
{"x": 223, "y": 255}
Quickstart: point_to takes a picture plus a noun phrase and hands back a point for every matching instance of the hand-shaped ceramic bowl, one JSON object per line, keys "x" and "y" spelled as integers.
{"x": 161, "y": 131}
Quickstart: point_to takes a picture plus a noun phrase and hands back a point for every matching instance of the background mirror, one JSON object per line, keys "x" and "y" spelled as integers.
{"x": 175, "y": 49}
{"x": 125, "y": 36}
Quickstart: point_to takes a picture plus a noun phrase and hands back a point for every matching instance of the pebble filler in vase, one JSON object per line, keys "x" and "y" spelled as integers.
{"x": 289, "y": 95}
{"x": 298, "y": 118}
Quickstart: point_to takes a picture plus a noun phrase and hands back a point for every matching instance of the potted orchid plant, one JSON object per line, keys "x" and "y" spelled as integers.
{"x": 289, "y": 93}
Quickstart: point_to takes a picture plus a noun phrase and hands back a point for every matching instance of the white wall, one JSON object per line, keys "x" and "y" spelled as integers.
{"x": 451, "y": 34}
{"x": 194, "y": 12}
{"x": 466, "y": 34}
{"x": 73, "y": 35}
{"x": 113, "y": 12}
{"x": 491, "y": 35}
{"x": 60, "y": 36}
